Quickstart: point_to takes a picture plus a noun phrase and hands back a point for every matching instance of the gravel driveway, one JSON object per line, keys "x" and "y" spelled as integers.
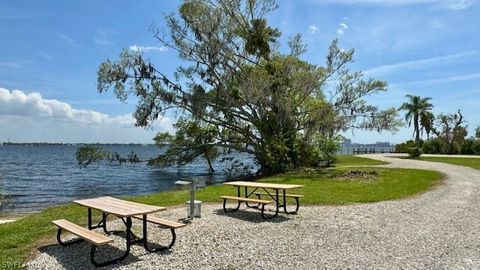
{"x": 437, "y": 230}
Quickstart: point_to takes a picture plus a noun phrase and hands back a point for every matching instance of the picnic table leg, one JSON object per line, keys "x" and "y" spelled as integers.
{"x": 145, "y": 238}
{"x": 238, "y": 203}
{"x": 285, "y": 204}
{"x": 104, "y": 223}
{"x": 277, "y": 206}
{"x": 89, "y": 213}
{"x": 128, "y": 224}
{"x": 59, "y": 240}
{"x": 246, "y": 196}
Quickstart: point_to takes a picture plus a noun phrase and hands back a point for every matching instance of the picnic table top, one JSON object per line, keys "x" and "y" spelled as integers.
{"x": 262, "y": 185}
{"x": 119, "y": 207}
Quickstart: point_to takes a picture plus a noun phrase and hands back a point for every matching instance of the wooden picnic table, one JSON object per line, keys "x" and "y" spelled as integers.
{"x": 274, "y": 191}
{"x": 125, "y": 210}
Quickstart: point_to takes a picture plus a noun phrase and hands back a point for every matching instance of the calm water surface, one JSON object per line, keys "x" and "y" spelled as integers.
{"x": 37, "y": 177}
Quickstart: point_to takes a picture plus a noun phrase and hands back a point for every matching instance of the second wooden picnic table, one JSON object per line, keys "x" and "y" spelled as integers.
{"x": 274, "y": 191}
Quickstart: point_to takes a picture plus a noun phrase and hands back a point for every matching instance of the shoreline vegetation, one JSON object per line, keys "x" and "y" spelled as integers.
{"x": 472, "y": 162}
{"x": 333, "y": 186}
{"x": 74, "y": 144}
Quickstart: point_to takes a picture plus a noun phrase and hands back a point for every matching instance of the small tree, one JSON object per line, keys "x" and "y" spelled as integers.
{"x": 451, "y": 130}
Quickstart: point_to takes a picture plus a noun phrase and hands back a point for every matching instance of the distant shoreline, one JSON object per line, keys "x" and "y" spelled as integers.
{"x": 73, "y": 144}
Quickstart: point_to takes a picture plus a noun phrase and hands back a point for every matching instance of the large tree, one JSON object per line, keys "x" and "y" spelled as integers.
{"x": 418, "y": 112}
{"x": 235, "y": 91}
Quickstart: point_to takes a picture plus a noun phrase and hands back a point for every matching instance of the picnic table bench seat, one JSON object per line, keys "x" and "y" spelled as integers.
{"x": 165, "y": 223}
{"x": 84, "y": 234}
{"x": 246, "y": 200}
{"x": 286, "y": 195}
{"x": 87, "y": 235}
{"x": 243, "y": 199}
{"x": 294, "y": 196}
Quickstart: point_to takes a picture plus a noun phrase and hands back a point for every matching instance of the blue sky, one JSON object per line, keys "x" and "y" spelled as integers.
{"x": 50, "y": 52}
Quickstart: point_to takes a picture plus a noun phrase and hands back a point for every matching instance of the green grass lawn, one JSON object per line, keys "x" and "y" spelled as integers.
{"x": 469, "y": 162}
{"x": 20, "y": 238}
{"x": 352, "y": 160}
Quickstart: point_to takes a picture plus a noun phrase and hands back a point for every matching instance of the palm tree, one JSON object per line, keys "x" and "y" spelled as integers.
{"x": 426, "y": 123}
{"x": 417, "y": 108}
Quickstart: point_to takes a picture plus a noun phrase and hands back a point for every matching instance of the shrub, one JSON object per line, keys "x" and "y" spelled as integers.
{"x": 466, "y": 148}
{"x": 476, "y": 147}
{"x": 328, "y": 154}
{"x": 403, "y": 147}
{"x": 434, "y": 146}
{"x": 414, "y": 152}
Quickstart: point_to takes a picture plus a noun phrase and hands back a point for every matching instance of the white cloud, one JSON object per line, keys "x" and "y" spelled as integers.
{"x": 137, "y": 48}
{"x": 14, "y": 17}
{"x": 45, "y": 55}
{"x": 18, "y": 64}
{"x": 341, "y": 30}
{"x": 457, "y": 4}
{"x": 449, "y": 79}
{"x": 313, "y": 29}
{"x": 18, "y": 103}
{"x": 104, "y": 37}
{"x": 383, "y": 2}
{"x": 19, "y": 106}
{"x": 437, "y": 24}
{"x": 418, "y": 64}
{"x": 67, "y": 39}
{"x": 446, "y": 4}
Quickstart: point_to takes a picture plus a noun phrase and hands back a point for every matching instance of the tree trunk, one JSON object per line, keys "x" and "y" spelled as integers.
{"x": 210, "y": 167}
{"x": 416, "y": 130}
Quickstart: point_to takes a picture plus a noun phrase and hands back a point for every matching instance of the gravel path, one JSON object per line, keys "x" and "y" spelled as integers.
{"x": 437, "y": 230}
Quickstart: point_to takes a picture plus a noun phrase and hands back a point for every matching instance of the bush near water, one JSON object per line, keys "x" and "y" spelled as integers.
{"x": 470, "y": 146}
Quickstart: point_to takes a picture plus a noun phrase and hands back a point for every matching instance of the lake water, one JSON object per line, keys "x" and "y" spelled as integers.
{"x": 37, "y": 177}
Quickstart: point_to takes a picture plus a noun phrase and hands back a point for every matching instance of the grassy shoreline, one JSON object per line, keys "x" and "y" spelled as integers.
{"x": 352, "y": 160}
{"x": 323, "y": 187}
{"x": 343, "y": 160}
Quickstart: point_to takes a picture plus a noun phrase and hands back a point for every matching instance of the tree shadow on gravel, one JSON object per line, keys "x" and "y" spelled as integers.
{"x": 254, "y": 217}
{"x": 77, "y": 256}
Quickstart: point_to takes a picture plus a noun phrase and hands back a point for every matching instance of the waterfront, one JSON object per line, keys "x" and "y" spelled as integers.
{"x": 41, "y": 176}
{"x": 37, "y": 177}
